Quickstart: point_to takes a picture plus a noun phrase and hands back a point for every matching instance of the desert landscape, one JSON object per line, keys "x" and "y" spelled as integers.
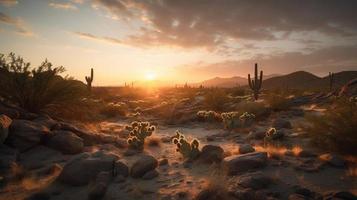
{"x": 178, "y": 100}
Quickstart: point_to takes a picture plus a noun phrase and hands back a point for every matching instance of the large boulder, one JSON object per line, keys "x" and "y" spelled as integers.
{"x": 39, "y": 157}
{"x": 26, "y": 134}
{"x": 98, "y": 189}
{"x": 256, "y": 180}
{"x": 66, "y": 142}
{"x": 143, "y": 165}
{"x": 246, "y": 148}
{"x": 211, "y": 154}
{"x": 5, "y": 123}
{"x": 9, "y": 111}
{"x": 85, "y": 167}
{"x": 281, "y": 123}
{"x": 242, "y": 163}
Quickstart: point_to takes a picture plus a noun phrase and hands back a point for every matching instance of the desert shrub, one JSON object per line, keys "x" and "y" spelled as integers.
{"x": 336, "y": 129}
{"x": 258, "y": 109}
{"x": 138, "y": 133}
{"x": 233, "y": 120}
{"x": 114, "y": 110}
{"x": 216, "y": 99}
{"x": 38, "y": 88}
{"x": 277, "y": 102}
{"x": 189, "y": 150}
{"x": 238, "y": 91}
{"x": 208, "y": 116}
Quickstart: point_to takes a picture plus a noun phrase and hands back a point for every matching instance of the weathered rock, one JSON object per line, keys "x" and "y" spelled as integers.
{"x": 150, "y": 175}
{"x": 211, "y": 194}
{"x": 7, "y": 156}
{"x": 242, "y": 163}
{"x": 297, "y": 197}
{"x": 39, "y": 157}
{"x": 333, "y": 159}
{"x": 39, "y": 196}
{"x": 98, "y": 189}
{"x": 5, "y": 123}
{"x": 84, "y": 167}
{"x": 255, "y": 181}
{"x": 256, "y": 135}
{"x": 306, "y": 193}
{"x": 163, "y": 161}
{"x": 281, "y": 123}
{"x": 144, "y": 164}
{"x": 66, "y": 142}
{"x": 11, "y": 112}
{"x": 246, "y": 148}
{"x": 26, "y": 134}
{"x": 46, "y": 121}
{"x": 121, "y": 169}
{"x": 211, "y": 154}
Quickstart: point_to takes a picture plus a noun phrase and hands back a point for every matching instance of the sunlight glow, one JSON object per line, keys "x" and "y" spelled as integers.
{"x": 150, "y": 76}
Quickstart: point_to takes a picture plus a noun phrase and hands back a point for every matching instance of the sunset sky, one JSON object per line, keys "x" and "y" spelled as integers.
{"x": 181, "y": 40}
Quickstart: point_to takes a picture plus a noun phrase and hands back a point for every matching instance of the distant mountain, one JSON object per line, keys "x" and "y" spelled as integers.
{"x": 306, "y": 80}
{"x": 227, "y": 82}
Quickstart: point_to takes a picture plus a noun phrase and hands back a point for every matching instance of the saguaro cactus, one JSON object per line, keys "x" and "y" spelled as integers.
{"x": 256, "y": 84}
{"x": 90, "y": 80}
{"x": 331, "y": 78}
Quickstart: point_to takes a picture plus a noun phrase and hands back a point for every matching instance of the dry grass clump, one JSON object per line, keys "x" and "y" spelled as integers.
{"x": 258, "y": 109}
{"x": 114, "y": 110}
{"x": 336, "y": 129}
{"x": 216, "y": 187}
{"x": 277, "y": 102}
{"x": 216, "y": 99}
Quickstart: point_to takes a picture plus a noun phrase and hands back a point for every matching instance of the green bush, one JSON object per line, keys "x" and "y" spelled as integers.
{"x": 36, "y": 89}
{"x": 336, "y": 129}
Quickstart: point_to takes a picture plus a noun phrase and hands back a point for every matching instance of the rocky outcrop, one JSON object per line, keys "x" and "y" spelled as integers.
{"x": 66, "y": 142}
{"x": 242, "y": 163}
{"x": 85, "y": 167}
{"x": 143, "y": 165}
{"x": 98, "y": 189}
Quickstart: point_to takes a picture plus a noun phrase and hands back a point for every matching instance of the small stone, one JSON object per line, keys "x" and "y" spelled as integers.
{"x": 150, "y": 175}
{"x": 333, "y": 159}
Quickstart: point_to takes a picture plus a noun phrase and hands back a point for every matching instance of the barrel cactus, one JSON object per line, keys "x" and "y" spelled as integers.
{"x": 138, "y": 132}
{"x": 189, "y": 150}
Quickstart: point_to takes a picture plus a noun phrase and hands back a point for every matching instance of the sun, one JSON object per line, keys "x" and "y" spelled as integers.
{"x": 150, "y": 76}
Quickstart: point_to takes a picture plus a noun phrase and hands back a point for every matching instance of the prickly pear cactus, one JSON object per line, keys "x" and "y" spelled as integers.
{"x": 273, "y": 134}
{"x": 208, "y": 116}
{"x": 138, "y": 132}
{"x": 231, "y": 120}
{"x": 246, "y": 119}
{"x": 188, "y": 150}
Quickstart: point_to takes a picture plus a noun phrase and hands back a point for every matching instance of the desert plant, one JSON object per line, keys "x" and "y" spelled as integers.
{"x": 273, "y": 134}
{"x": 257, "y": 108}
{"x": 114, "y": 109}
{"x": 256, "y": 84}
{"x": 331, "y": 77}
{"x": 138, "y": 132}
{"x": 208, "y": 116}
{"x": 36, "y": 89}
{"x": 189, "y": 150}
{"x": 215, "y": 99}
{"x": 246, "y": 119}
{"x": 89, "y": 80}
{"x": 232, "y": 120}
{"x": 277, "y": 102}
{"x": 336, "y": 129}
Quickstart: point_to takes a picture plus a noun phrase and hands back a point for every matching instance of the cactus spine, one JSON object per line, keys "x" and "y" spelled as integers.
{"x": 189, "y": 150}
{"x": 90, "y": 79}
{"x": 331, "y": 79}
{"x": 256, "y": 84}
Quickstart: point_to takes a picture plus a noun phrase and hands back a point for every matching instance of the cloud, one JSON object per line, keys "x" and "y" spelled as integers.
{"x": 17, "y": 23}
{"x": 8, "y": 2}
{"x": 64, "y": 6}
{"x": 214, "y": 23}
{"x": 97, "y": 38}
{"x": 334, "y": 59}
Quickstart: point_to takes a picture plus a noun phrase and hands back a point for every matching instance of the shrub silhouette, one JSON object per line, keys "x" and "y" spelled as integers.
{"x": 38, "y": 88}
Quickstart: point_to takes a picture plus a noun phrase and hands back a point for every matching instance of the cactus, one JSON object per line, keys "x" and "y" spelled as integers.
{"x": 256, "y": 84}
{"x": 188, "y": 150}
{"x": 138, "y": 132}
{"x": 331, "y": 80}
{"x": 273, "y": 134}
{"x": 233, "y": 120}
{"x": 209, "y": 116}
{"x": 89, "y": 80}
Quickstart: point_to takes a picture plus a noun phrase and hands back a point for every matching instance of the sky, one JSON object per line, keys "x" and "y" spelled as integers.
{"x": 179, "y": 41}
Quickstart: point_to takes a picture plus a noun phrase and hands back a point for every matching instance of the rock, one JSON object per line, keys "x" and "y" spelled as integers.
{"x": 333, "y": 159}
{"x": 48, "y": 170}
{"x": 26, "y": 134}
{"x": 255, "y": 181}
{"x": 85, "y": 166}
{"x": 249, "y": 194}
{"x": 341, "y": 195}
{"x": 66, "y": 142}
{"x": 242, "y": 163}
{"x": 150, "y": 175}
{"x": 5, "y": 123}
{"x": 144, "y": 164}
{"x": 46, "y": 121}
{"x": 297, "y": 197}
{"x": 163, "y": 161}
{"x": 8, "y": 155}
{"x": 246, "y": 148}
{"x": 211, "y": 194}
{"x": 211, "y": 154}
{"x": 9, "y": 111}
{"x": 39, "y": 157}
{"x": 256, "y": 135}
{"x": 281, "y": 123}
{"x": 121, "y": 169}
{"x": 98, "y": 189}
{"x": 306, "y": 153}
